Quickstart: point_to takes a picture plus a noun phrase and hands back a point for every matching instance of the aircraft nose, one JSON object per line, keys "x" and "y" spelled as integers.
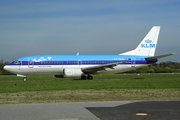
{"x": 7, "y": 68}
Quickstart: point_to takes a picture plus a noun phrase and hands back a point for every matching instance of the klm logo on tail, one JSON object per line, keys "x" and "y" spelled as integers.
{"x": 148, "y": 44}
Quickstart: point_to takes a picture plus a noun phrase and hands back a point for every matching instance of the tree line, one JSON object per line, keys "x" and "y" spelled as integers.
{"x": 162, "y": 67}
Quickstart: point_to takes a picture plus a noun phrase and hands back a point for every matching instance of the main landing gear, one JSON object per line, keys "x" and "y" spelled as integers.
{"x": 89, "y": 77}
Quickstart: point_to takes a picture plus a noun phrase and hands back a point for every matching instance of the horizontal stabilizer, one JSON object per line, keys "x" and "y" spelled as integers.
{"x": 160, "y": 56}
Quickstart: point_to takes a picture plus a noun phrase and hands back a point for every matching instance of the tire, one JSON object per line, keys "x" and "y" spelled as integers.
{"x": 24, "y": 79}
{"x": 83, "y": 77}
{"x": 89, "y": 77}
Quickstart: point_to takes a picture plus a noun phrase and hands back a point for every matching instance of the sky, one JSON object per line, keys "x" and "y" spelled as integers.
{"x": 87, "y": 27}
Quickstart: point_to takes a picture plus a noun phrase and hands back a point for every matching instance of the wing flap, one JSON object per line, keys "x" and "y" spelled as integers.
{"x": 93, "y": 69}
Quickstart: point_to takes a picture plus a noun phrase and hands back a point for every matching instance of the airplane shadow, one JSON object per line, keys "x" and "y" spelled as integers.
{"x": 77, "y": 79}
{"x": 138, "y": 78}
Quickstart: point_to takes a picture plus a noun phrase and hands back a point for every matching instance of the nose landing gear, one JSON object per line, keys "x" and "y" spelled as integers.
{"x": 24, "y": 79}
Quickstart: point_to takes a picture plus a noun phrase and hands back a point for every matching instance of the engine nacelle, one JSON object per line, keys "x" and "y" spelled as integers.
{"x": 72, "y": 72}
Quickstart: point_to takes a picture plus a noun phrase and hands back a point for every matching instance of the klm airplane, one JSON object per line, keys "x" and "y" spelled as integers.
{"x": 83, "y": 66}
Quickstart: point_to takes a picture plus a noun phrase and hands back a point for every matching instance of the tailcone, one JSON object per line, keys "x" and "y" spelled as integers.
{"x": 150, "y": 61}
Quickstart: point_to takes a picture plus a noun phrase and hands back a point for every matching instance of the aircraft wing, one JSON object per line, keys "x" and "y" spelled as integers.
{"x": 160, "y": 56}
{"x": 93, "y": 69}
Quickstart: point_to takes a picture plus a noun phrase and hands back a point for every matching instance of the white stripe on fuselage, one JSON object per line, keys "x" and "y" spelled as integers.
{"x": 58, "y": 69}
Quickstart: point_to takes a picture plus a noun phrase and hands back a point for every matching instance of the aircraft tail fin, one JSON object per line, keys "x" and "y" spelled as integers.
{"x": 148, "y": 45}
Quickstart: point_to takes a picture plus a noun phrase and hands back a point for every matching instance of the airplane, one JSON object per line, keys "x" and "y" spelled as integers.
{"x": 70, "y": 66}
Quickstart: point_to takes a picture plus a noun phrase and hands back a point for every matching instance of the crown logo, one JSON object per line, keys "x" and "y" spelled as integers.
{"x": 49, "y": 58}
{"x": 148, "y": 41}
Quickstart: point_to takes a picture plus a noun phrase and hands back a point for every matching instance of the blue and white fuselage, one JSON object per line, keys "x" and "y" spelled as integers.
{"x": 81, "y": 65}
{"x": 55, "y": 64}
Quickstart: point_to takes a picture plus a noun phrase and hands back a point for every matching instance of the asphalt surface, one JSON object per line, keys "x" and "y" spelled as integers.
{"x": 162, "y": 110}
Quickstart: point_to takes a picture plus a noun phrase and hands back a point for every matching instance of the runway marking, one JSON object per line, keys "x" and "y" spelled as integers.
{"x": 65, "y": 119}
{"x": 141, "y": 114}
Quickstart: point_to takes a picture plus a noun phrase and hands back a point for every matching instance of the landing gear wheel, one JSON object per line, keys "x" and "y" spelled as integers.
{"x": 83, "y": 77}
{"x": 24, "y": 79}
{"x": 89, "y": 77}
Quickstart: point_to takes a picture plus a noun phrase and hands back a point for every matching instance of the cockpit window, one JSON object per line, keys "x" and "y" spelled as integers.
{"x": 16, "y": 62}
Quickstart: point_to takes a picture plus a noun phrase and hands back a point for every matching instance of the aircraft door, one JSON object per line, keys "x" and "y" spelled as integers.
{"x": 30, "y": 63}
{"x": 79, "y": 62}
{"x": 133, "y": 62}
{"x": 20, "y": 65}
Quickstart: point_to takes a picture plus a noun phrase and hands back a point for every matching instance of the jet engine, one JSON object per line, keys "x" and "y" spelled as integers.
{"x": 74, "y": 72}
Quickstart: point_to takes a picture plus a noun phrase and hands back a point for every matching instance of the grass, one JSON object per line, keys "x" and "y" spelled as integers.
{"x": 47, "y": 89}
{"x": 108, "y": 82}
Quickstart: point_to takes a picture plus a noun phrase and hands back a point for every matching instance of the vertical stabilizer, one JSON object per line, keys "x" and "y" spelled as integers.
{"x": 148, "y": 45}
